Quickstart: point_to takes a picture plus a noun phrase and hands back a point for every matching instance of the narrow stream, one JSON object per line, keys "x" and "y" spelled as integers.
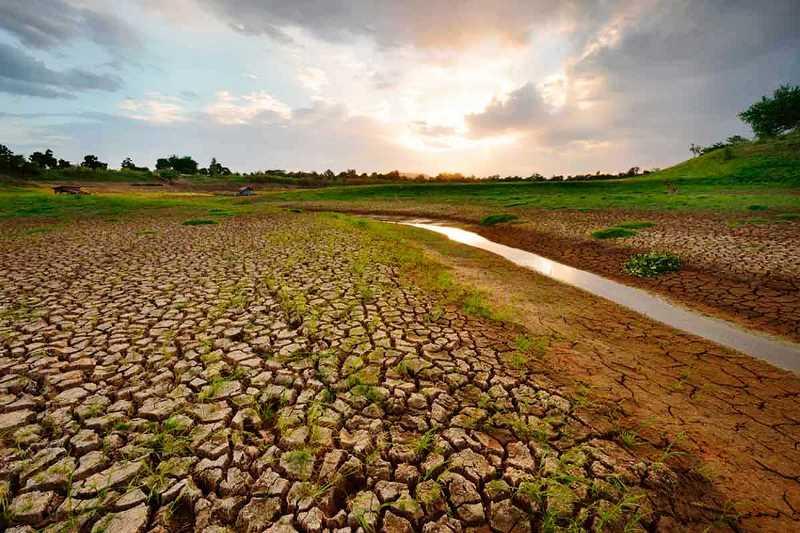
{"x": 780, "y": 353}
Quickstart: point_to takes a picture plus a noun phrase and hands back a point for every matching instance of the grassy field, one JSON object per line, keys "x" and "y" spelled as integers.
{"x": 764, "y": 174}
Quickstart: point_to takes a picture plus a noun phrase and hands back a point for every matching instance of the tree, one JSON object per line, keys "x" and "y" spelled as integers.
{"x": 774, "y": 115}
{"x": 63, "y": 163}
{"x": 44, "y": 160}
{"x": 696, "y": 149}
{"x": 11, "y": 161}
{"x": 92, "y": 162}
{"x": 215, "y": 168}
{"x": 127, "y": 164}
{"x": 183, "y": 165}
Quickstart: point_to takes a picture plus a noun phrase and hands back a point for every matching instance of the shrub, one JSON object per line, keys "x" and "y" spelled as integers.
{"x": 652, "y": 264}
{"x": 491, "y": 220}
{"x": 757, "y": 207}
{"x": 613, "y": 233}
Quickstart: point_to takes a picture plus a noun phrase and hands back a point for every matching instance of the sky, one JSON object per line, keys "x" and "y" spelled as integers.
{"x": 489, "y": 87}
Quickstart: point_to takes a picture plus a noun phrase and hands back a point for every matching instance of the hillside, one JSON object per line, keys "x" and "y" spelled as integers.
{"x": 773, "y": 159}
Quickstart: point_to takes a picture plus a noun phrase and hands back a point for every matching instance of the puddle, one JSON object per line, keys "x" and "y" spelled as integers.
{"x": 775, "y": 351}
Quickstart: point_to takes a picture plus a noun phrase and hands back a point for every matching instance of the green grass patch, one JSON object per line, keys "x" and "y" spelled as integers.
{"x": 636, "y": 224}
{"x": 788, "y": 216}
{"x": 613, "y": 233}
{"x": 652, "y": 264}
{"x": 198, "y": 222}
{"x": 491, "y": 220}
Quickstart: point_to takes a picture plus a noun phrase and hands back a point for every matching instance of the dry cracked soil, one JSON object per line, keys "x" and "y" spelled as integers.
{"x": 284, "y": 372}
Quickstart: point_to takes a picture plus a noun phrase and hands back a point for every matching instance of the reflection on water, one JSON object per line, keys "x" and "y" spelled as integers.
{"x": 775, "y": 351}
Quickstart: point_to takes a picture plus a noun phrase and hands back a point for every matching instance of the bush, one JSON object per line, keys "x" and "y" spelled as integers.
{"x": 199, "y": 222}
{"x": 491, "y": 220}
{"x": 652, "y": 264}
{"x": 756, "y": 207}
{"x": 613, "y": 233}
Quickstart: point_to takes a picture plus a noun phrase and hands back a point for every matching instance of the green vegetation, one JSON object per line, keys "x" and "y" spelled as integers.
{"x": 613, "y": 233}
{"x": 199, "y": 222}
{"x": 635, "y": 225}
{"x": 652, "y": 264}
{"x": 491, "y": 220}
{"x": 774, "y": 115}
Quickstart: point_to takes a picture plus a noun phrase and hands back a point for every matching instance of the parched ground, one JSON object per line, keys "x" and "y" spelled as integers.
{"x": 285, "y": 372}
{"x": 740, "y": 267}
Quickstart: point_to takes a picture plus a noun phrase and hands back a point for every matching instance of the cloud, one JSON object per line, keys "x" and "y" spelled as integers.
{"x": 48, "y": 24}
{"x": 262, "y": 106}
{"x": 422, "y": 23}
{"x": 156, "y": 108}
{"x": 519, "y": 110}
{"x": 23, "y": 74}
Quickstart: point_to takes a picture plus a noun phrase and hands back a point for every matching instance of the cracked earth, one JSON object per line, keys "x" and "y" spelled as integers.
{"x": 284, "y": 373}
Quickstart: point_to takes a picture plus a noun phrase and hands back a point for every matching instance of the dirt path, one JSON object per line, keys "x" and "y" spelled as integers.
{"x": 738, "y": 418}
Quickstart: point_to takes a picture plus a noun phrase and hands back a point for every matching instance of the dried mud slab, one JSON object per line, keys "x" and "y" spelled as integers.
{"x": 280, "y": 374}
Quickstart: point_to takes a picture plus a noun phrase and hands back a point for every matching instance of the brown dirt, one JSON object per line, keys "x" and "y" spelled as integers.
{"x": 739, "y": 416}
{"x": 283, "y": 372}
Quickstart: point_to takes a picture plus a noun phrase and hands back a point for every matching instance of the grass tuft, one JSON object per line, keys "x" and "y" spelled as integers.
{"x": 198, "y": 222}
{"x": 491, "y": 220}
{"x": 613, "y": 233}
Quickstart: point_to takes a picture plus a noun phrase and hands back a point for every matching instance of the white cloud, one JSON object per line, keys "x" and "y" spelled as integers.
{"x": 256, "y": 106}
{"x": 154, "y": 108}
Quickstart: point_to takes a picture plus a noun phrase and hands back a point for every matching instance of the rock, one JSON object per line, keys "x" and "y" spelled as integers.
{"x": 117, "y": 475}
{"x": 507, "y": 518}
{"x": 15, "y": 419}
{"x": 396, "y": 524}
{"x": 33, "y": 508}
{"x": 258, "y": 514}
{"x": 133, "y": 520}
{"x": 364, "y": 510}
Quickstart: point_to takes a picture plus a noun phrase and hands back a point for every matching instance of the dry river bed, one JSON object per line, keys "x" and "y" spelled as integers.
{"x": 732, "y": 268}
{"x": 294, "y": 372}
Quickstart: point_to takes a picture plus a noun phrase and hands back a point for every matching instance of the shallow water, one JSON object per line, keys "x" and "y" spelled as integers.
{"x": 780, "y": 353}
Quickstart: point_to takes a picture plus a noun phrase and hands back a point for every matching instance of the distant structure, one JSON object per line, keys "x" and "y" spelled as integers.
{"x": 247, "y": 190}
{"x": 68, "y": 189}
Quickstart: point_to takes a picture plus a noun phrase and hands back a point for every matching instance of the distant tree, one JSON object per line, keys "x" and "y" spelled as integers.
{"x": 182, "y": 165}
{"x": 774, "y": 115}
{"x": 696, "y": 149}
{"x": 92, "y": 162}
{"x": 215, "y": 168}
{"x": 44, "y": 160}
{"x": 633, "y": 171}
{"x": 9, "y": 161}
{"x": 127, "y": 164}
{"x": 63, "y": 163}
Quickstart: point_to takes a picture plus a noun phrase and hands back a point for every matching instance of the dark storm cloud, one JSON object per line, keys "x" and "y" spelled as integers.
{"x": 23, "y": 74}
{"x": 47, "y": 24}
{"x": 524, "y": 108}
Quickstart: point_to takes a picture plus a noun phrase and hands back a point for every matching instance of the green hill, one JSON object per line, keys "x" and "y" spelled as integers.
{"x": 771, "y": 159}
